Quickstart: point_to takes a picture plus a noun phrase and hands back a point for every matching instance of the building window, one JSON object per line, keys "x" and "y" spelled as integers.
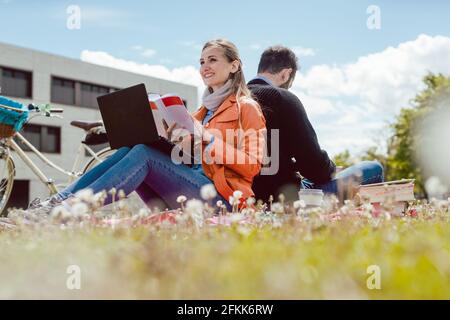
{"x": 63, "y": 91}
{"x": 89, "y": 94}
{"x": 15, "y": 83}
{"x": 76, "y": 93}
{"x": 44, "y": 138}
{"x": 20, "y": 195}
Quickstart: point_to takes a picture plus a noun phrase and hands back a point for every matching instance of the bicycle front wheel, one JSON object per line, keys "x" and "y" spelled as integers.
{"x": 7, "y": 173}
{"x": 102, "y": 155}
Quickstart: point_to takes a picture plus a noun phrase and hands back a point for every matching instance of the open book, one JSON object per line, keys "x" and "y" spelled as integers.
{"x": 172, "y": 110}
{"x": 398, "y": 191}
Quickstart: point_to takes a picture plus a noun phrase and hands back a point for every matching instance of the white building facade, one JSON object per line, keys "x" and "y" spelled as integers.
{"x": 31, "y": 76}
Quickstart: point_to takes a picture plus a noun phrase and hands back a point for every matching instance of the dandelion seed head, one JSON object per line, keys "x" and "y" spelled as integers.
{"x": 60, "y": 213}
{"x": 121, "y": 194}
{"x": 299, "y": 204}
{"x": 79, "y": 209}
{"x": 85, "y": 195}
{"x": 194, "y": 208}
{"x": 277, "y": 207}
{"x": 237, "y": 194}
{"x": 208, "y": 192}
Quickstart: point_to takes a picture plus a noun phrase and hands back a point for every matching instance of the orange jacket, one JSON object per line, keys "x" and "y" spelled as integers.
{"x": 232, "y": 162}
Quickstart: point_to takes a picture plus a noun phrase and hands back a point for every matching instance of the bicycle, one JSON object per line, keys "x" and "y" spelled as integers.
{"x": 95, "y": 135}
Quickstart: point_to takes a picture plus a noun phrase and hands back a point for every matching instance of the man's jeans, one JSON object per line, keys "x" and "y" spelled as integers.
{"x": 144, "y": 169}
{"x": 364, "y": 172}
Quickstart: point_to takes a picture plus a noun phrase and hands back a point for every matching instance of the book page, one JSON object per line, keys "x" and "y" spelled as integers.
{"x": 158, "y": 120}
{"x": 171, "y": 108}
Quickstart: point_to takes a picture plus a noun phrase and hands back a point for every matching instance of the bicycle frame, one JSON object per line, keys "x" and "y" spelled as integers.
{"x": 38, "y": 172}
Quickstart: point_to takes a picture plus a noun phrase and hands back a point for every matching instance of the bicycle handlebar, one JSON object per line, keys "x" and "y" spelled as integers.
{"x": 44, "y": 109}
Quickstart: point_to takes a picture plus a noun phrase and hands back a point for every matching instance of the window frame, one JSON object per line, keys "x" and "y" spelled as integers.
{"x": 78, "y": 91}
{"x": 43, "y": 132}
{"x": 28, "y": 78}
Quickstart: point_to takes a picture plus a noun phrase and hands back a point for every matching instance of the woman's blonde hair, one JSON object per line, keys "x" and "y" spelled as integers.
{"x": 238, "y": 84}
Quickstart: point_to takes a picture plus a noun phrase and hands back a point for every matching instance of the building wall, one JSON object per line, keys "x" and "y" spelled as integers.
{"x": 43, "y": 66}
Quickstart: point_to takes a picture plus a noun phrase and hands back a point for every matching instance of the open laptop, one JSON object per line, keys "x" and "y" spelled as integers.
{"x": 129, "y": 121}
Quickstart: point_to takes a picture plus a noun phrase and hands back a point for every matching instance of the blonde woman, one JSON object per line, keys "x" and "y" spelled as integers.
{"x": 227, "y": 105}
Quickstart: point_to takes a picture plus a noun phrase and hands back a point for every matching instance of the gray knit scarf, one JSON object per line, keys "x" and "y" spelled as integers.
{"x": 213, "y": 100}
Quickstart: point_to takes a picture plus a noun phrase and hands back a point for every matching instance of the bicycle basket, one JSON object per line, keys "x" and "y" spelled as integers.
{"x": 12, "y": 117}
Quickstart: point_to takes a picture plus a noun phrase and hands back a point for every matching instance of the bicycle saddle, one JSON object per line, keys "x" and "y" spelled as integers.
{"x": 86, "y": 125}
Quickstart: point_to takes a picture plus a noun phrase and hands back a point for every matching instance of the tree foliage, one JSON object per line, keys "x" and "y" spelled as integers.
{"x": 400, "y": 161}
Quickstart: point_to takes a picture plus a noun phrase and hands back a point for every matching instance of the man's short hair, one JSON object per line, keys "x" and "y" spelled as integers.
{"x": 276, "y": 58}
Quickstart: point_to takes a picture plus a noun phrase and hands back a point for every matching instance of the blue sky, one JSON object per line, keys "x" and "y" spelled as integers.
{"x": 336, "y": 30}
{"x": 331, "y": 34}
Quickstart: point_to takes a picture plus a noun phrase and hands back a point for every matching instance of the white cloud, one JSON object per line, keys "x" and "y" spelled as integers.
{"x": 347, "y": 98}
{"x": 303, "y": 52}
{"x": 186, "y": 74}
{"x": 148, "y": 53}
{"x": 145, "y": 52}
{"x": 315, "y": 106}
{"x": 348, "y": 104}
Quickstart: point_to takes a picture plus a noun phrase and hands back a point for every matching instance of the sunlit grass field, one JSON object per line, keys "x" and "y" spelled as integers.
{"x": 283, "y": 256}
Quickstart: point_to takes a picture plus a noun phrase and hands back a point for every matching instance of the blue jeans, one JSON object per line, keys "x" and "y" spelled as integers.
{"x": 364, "y": 172}
{"x": 144, "y": 169}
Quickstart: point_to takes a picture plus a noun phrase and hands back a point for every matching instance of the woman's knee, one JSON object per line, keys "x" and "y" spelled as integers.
{"x": 141, "y": 148}
{"x": 145, "y": 152}
{"x": 123, "y": 150}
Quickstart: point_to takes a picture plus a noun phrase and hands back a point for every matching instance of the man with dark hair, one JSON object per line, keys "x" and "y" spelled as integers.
{"x": 280, "y": 62}
{"x": 298, "y": 150}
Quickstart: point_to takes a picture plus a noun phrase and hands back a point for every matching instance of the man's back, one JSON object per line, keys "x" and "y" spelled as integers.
{"x": 297, "y": 140}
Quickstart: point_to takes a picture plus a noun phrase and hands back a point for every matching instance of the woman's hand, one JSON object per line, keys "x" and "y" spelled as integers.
{"x": 174, "y": 134}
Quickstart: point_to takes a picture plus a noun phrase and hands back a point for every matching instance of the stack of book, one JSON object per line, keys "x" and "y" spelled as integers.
{"x": 396, "y": 193}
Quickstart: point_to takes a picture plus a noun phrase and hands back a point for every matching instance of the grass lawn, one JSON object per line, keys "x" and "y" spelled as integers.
{"x": 283, "y": 256}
